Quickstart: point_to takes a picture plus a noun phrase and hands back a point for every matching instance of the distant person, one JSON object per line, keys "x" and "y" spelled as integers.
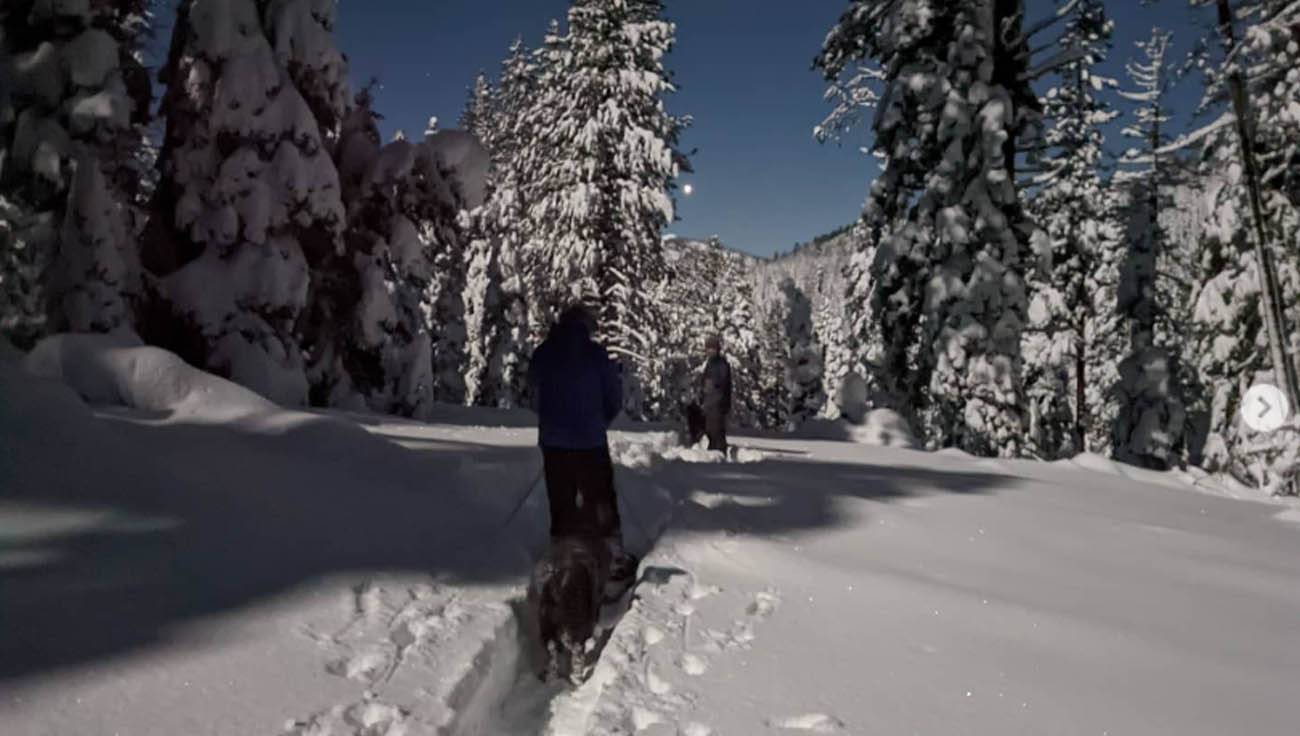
{"x": 577, "y": 392}
{"x": 715, "y": 394}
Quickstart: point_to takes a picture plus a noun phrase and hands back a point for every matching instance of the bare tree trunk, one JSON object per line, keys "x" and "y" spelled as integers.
{"x": 1081, "y": 407}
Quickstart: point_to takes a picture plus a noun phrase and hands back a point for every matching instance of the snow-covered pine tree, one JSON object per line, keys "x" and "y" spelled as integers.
{"x": 482, "y": 304}
{"x": 96, "y": 267}
{"x": 302, "y": 36}
{"x": 1150, "y": 424}
{"x": 1244, "y": 308}
{"x": 773, "y": 406}
{"x": 736, "y": 321}
{"x": 828, "y": 327}
{"x": 1074, "y": 289}
{"x": 1243, "y": 312}
{"x": 247, "y": 185}
{"x": 501, "y": 333}
{"x": 446, "y": 229}
{"x": 947, "y": 292}
{"x": 609, "y": 163}
{"x": 478, "y": 116}
{"x": 345, "y": 323}
{"x": 74, "y": 98}
{"x": 679, "y": 298}
{"x": 402, "y": 212}
{"x": 803, "y": 360}
{"x": 301, "y": 33}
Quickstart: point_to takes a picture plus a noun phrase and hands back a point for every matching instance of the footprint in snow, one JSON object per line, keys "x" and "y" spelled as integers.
{"x": 368, "y": 666}
{"x": 655, "y": 683}
{"x": 698, "y": 592}
{"x": 366, "y": 718}
{"x": 652, "y": 635}
{"x": 644, "y": 718}
{"x": 764, "y": 604}
{"x": 813, "y": 722}
{"x": 386, "y": 626}
{"x": 694, "y": 664}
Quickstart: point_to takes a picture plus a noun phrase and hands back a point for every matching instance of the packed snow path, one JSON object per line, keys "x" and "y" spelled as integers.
{"x": 285, "y": 574}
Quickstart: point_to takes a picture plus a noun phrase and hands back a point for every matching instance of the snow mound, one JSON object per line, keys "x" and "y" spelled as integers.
{"x": 119, "y": 370}
{"x": 879, "y": 428}
{"x": 1106, "y": 466}
{"x": 643, "y": 451}
{"x": 701, "y": 454}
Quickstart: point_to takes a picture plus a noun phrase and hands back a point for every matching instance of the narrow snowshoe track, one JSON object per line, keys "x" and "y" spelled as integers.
{"x": 503, "y": 696}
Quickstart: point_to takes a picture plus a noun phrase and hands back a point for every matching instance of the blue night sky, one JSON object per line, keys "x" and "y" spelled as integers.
{"x": 744, "y": 72}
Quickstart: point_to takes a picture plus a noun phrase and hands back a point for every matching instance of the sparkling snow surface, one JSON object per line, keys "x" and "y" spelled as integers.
{"x": 286, "y": 573}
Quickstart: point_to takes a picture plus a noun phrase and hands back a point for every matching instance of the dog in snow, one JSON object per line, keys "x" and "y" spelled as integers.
{"x": 565, "y": 594}
{"x": 694, "y": 424}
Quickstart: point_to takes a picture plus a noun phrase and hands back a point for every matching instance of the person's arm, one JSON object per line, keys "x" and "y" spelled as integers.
{"x": 612, "y": 391}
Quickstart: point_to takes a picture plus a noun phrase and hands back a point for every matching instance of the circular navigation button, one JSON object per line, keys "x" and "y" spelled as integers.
{"x": 1265, "y": 408}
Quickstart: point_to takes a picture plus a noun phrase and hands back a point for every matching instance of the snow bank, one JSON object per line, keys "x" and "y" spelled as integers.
{"x": 644, "y": 451}
{"x": 879, "y": 428}
{"x": 1223, "y": 486}
{"x": 118, "y": 370}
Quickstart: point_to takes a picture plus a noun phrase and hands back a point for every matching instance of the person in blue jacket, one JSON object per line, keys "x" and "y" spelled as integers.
{"x": 577, "y": 393}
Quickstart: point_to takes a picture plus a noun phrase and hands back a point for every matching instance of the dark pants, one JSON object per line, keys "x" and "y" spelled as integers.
{"x": 715, "y": 426}
{"x": 585, "y": 474}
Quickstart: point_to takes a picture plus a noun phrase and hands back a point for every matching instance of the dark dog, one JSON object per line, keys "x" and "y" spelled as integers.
{"x": 694, "y": 424}
{"x": 564, "y": 597}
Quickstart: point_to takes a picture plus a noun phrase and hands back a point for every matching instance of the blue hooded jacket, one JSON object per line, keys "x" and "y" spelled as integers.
{"x": 577, "y": 390}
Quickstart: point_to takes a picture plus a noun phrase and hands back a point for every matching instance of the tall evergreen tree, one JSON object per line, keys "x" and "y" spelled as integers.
{"x": 735, "y": 320}
{"x": 501, "y": 323}
{"x": 803, "y": 364}
{"x": 772, "y": 410}
{"x": 1246, "y": 301}
{"x": 73, "y": 102}
{"x": 479, "y": 114}
{"x": 1150, "y": 426}
{"x": 247, "y": 187}
{"x": 609, "y": 168}
{"x": 1074, "y": 287}
{"x": 948, "y": 298}
{"x": 301, "y": 33}
{"x": 829, "y": 329}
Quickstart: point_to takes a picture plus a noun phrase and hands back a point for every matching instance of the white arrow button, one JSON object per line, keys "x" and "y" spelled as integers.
{"x": 1265, "y": 408}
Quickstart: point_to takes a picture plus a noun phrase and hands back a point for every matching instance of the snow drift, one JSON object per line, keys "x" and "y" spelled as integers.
{"x": 119, "y": 370}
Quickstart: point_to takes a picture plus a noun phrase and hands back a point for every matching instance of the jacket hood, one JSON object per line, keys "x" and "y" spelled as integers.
{"x": 570, "y": 332}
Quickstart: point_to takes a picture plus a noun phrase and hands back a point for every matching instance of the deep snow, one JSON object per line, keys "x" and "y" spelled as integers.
{"x": 170, "y": 569}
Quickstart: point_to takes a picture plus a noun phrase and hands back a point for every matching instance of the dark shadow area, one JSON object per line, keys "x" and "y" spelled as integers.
{"x": 778, "y": 496}
{"x": 448, "y": 414}
{"x": 218, "y": 518}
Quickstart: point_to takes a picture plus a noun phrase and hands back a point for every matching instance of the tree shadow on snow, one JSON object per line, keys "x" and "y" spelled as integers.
{"x": 780, "y": 496}
{"x": 113, "y": 537}
{"x": 185, "y": 521}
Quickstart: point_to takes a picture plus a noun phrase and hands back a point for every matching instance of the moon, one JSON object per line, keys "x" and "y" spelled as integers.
{"x": 688, "y": 189}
